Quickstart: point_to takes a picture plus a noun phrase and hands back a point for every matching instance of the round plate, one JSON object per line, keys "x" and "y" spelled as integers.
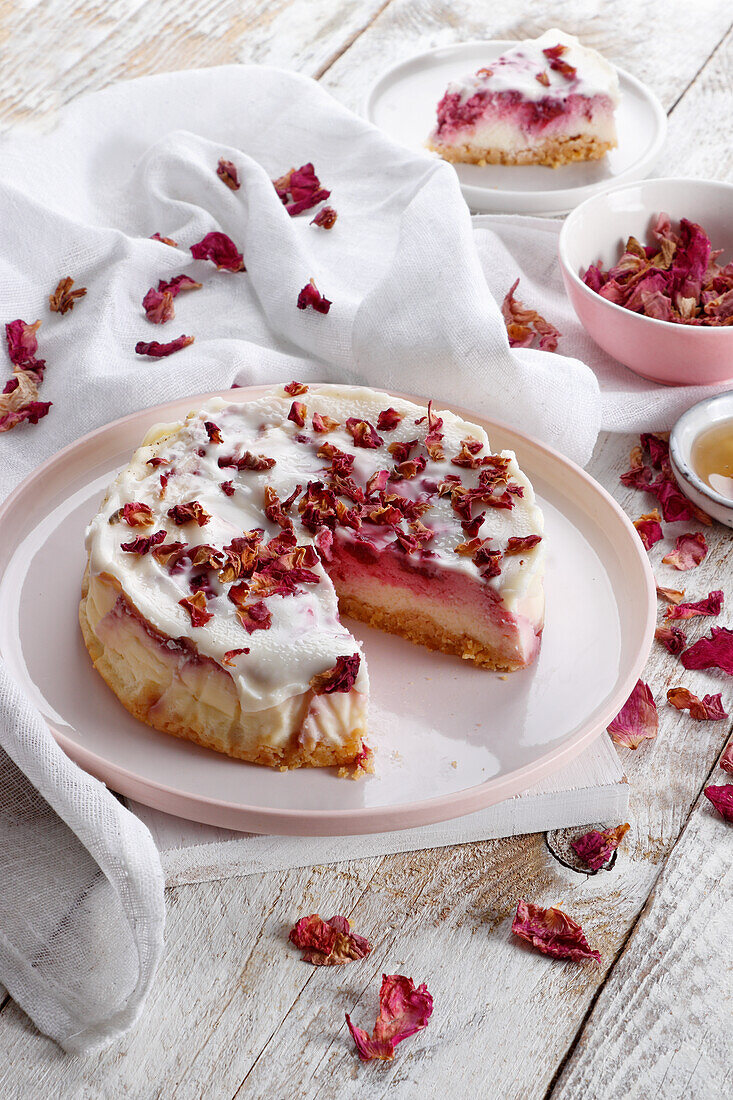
{"x": 403, "y": 103}
{"x": 449, "y": 738}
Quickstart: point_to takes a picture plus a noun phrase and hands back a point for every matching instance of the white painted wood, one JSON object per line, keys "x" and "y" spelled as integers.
{"x": 592, "y": 788}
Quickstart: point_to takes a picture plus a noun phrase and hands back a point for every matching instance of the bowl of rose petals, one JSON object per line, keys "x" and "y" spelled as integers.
{"x": 648, "y": 268}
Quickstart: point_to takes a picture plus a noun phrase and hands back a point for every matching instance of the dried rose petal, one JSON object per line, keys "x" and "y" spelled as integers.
{"x": 143, "y": 544}
{"x": 328, "y": 943}
{"x": 672, "y": 638}
{"x": 247, "y": 461}
{"x": 637, "y": 720}
{"x": 227, "y": 173}
{"x": 221, "y": 250}
{"x": 228, "y": 658}
{"x": 296, "y": 389}
{"x": 192, "y": 512}
{"x": 708, "y": 708}
{"x": 167, "y": 550}
{"x": 339, "y": 678}
{"x": 552, "y": 932}
{"x": 311, "y": 296}
{"x": 22, "y": 342}
{"x": 711, "y": 605}
{"x": 324, "y": 424}
{"x": 363, "y": 433}
{"x": 158, "y": 351}
{"x": 300, "y": 189}
{"x": 298, "y": 413}
{"x": 213, "y": 432}
{"x": 713, "y": 652}
{"x": 63, "y": 297}
{"x": 523, "y": 324}
{"x": 158, "y": 306}
{"x": 255, "y": 616}
{"x": 649, "y": 528}
{"x": 388, "y": 419}
{"x": 517, "y": 545}
{"x": 722, "y": 798}
{"x": 138, "y": 514}
{"x": 404, "y": 1009}
{"x": 32, "y": 413}
{"x": 325, "y": 218}
{"x": 726, "y": 760}
{"x": 596, "y": 848}
{"x": 178, "y": 283}
{"x": 196, "y": 607}
{"x": 675, "y": 505}
{"x": 672, "y": 595}
{"x": 164, "y": 240}
{"x": 689, "y": 551}
{"x": 657, "y": 444}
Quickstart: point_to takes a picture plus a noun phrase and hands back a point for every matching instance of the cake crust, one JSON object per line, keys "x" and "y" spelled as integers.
{"x": 552, "y": 153}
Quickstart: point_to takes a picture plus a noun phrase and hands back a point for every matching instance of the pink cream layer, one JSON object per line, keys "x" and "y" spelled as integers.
{"x": 536, "y": 117}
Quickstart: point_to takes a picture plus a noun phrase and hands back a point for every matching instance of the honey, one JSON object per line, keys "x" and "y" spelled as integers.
{"x": 712, "y": 457}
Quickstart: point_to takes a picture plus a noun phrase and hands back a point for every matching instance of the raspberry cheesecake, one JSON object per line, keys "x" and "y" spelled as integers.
{"x": 546, "y": 101}
{"x": 225, "y": 554}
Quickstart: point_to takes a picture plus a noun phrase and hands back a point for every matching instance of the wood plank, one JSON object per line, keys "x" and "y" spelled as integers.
{"x": 661, "y": 1026}
{"x": 103, "y": 43}
{"x": 642, "y": 38}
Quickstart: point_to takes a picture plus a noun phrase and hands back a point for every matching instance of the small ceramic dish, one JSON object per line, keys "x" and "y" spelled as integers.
{"x": 690, "y": 426}
{"x": 597, "y": 231}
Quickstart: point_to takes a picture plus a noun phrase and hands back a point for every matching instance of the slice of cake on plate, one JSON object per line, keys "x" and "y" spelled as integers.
{"x": 224, "y": 555}
{"x": 546, "y": 101}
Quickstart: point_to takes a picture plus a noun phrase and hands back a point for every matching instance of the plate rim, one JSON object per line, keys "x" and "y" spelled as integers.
{"x": 523, "y": 202}
{"x": 305, "y": 822}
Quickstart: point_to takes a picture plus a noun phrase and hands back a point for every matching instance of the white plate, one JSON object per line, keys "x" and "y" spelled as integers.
{"x": 403, "y": 103}
{"x": 449, "y": 738}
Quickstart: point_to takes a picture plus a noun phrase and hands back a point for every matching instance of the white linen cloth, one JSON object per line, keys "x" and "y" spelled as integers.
{"x": 81, "y": 902}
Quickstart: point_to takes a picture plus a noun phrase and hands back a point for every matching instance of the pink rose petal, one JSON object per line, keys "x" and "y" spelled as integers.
{"x": 637, "y": 720}
{"x": 689, "y": 551}
{"x": 552, "y": 932}
{"x": 404, "y": 1009}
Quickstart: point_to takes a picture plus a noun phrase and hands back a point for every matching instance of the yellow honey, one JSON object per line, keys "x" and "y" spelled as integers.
{"x": 712, "y": 457}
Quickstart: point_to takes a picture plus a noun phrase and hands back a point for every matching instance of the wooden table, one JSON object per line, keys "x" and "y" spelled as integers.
{"x": 233, "y": 1012}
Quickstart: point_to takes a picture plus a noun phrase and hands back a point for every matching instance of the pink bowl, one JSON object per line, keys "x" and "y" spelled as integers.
{"x": 598, "y": 229}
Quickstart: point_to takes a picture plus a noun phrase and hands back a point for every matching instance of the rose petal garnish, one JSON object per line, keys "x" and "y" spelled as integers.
{"x": 221, "y": 250}
{"x": 158, "y": 306}
{"x": 167, "y": 550}
{"x": 328, "y": 942}
{"x": 255, "y": 616}
{"x": 339, "y": 678}
{"x": 311, "y": 296}
{"x": 228, "y": 658}
{"x": 713, "y": 652}
{"x": 159, "y": 351}
{"x": 689, "y": 551}
{"x": 227, "y": 173}
{"x": 363, "y": 433}
{"x": 523, "y": 324}
{"x": 649, "y": 528}
{"x": 32, "y": 413}
{"x": 552, "y": 932}
{"x": 388, "y": 419}
{"x": 518, "y": 545}
{"x": 596, "y": 848}
{"x": 178, "y": 283}
{"x": 722, "y": 798}
{"x": 143, "y": 544}
{"x": 22, "y": 342}
{"x": 298, "y": 413}
{"x": 138, "y": 514}
{"x": 672, "y": 638}
{"x": 671, "y": 595}
{"x": 323, "y": 424}
{"x": 300, "y": 189}
{"x": 196, "y": 607}
{"x": 726, "y": 760}
{"x": 163, "y": 240}
{"x": 325, "y": 218}
{"x": 296, "y": 389}
{"x": 709, "y": 708}
{"x": 404, "y": 1009}
{"x": 637, "y": 720}
{"x": 192, "y": 512}
{"x": 711, "y": 605}
{"x": 247, "y": 461}
{"x": 63, "y": 297}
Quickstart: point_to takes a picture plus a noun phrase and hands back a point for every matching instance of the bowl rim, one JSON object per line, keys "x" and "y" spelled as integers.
{"x": 591, "y": 295}
{"x": 683, "y": 467}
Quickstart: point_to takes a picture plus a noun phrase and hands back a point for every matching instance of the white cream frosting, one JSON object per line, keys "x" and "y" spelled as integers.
{"x": 517, "y": 69}
{"x": 305, "y": 637}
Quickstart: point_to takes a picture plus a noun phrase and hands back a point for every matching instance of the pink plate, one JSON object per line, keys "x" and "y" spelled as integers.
{"x": 450, "y": 739}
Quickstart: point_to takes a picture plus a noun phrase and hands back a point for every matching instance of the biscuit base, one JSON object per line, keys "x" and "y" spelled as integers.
{"x": 552, "y": 153}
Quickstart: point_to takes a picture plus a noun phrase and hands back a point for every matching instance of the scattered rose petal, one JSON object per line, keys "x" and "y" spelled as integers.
{"x": 523, "y": 324}
{"x": 300, "y": 189}
{"x": 596, "y": 848}
{"x": 159, "y": 351}
{"x": 328, "y": 943}
{"x": 158, "y": 306}
{"x": 708, "y": 708}
{"x": 404, "y": 1009}
{"x": 196, "y": 607}
{"x": 713, "y": 652}
{"x": 247, "y": 461}
{"x": 296, "y": 389}
{"x": 671, "y": 595}
{"x": 388, "y": 419}
{"x": 711, "y": 605}
{"x": 324, "y": 424}
{"x": 637, "y": 720}
{"x": 192, "y": 512}
{"x": 228, "y": 658}
{"x": 726, "y": 760}
{"x": 298, "y": 413}
{"x": 518, "y": 545}
{"x": 213, "y": 432}
{"x": 672, "y": 638}
{"x": 227, "y": 173}
{"x": 144, "y": 543}
{"x": 363, "y": 433}
{"x": 178, "y": 283}
{"x": 63, "y": 297}
{"x": 649, "y": 528}
{"x": 339, "y": 678}
{"x": 23, "y": 345}
{"x": 552, "y": 932}
{"x": 221, "y": 250}
{"x": 325, "y": 218}
{"x": 32, "y": 413}
{"x": 722, "y": 798}
{"x": 255, "y": 616}
{"x": 138, "y": 514}
{"x": 311, "y": 296}
{"x": 164, "y": 240}
{"x": 689, "y": 551}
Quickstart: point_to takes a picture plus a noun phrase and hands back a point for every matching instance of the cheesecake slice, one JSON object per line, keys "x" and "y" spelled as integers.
{"x": 546, "y": 101}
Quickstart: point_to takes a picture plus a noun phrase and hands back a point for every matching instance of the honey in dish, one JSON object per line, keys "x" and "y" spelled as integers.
{"x": 712, "y": 457}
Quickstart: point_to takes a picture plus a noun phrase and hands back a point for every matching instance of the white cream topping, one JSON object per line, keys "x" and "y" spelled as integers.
{"x": 517, "y": 70}
{"x": 305, "y": 637}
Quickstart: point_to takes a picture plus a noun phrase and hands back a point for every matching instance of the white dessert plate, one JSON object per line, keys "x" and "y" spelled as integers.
{"x": 449, "y": 738}
{"x": 403, "y": 103}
